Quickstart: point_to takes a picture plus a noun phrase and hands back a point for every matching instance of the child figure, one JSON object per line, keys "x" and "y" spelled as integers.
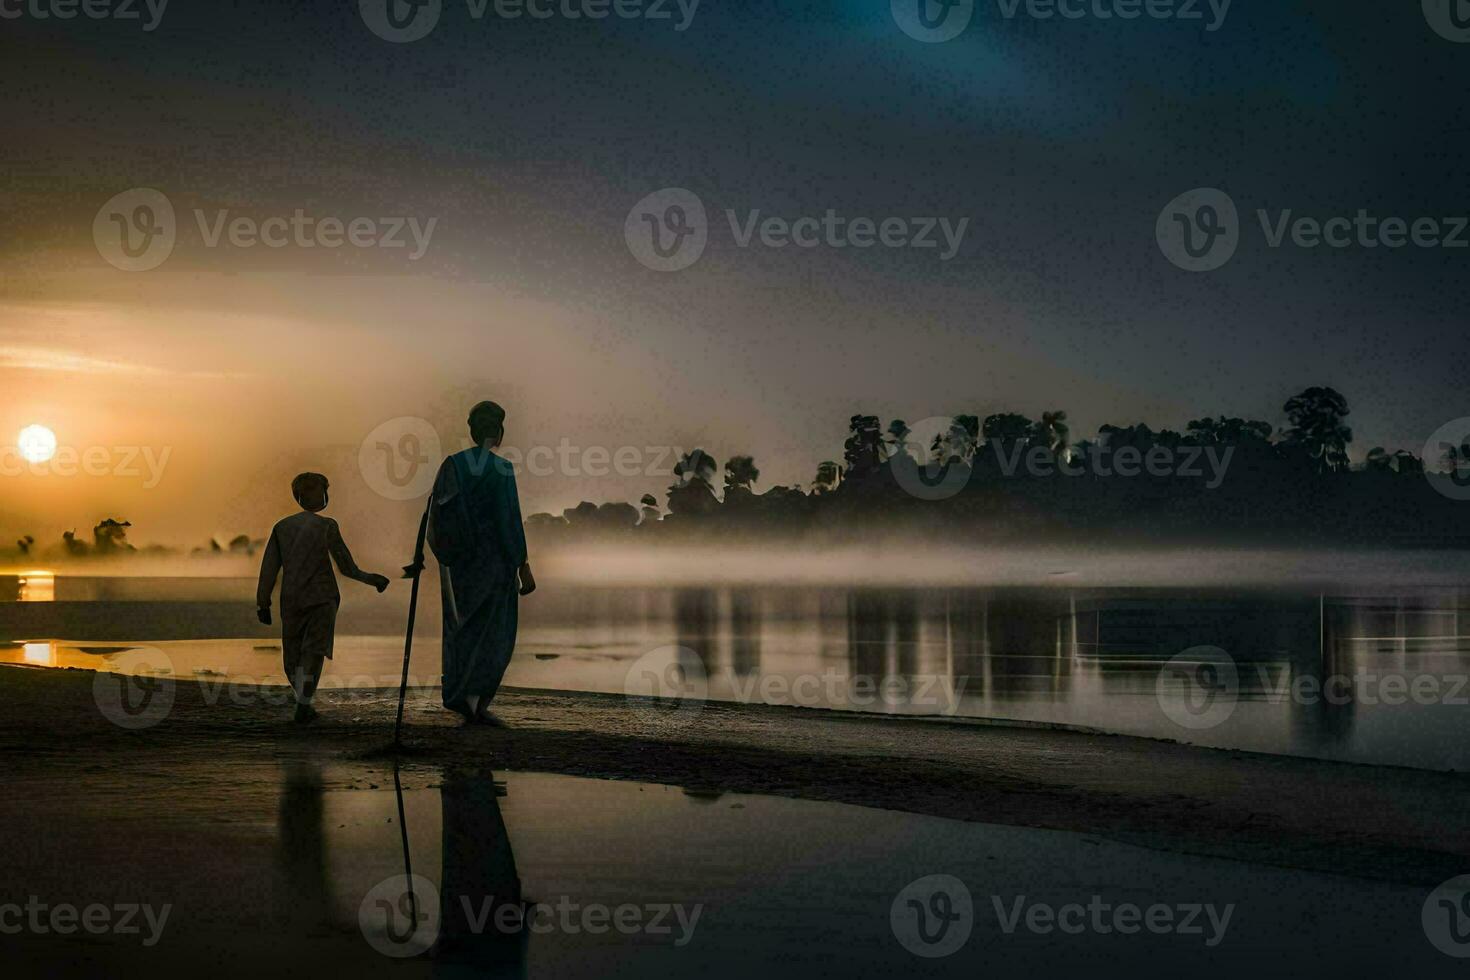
{"x": 300, "y": 546}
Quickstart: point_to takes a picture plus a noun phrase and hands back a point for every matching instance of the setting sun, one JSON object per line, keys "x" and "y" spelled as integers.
{"x": 36, "y": 443}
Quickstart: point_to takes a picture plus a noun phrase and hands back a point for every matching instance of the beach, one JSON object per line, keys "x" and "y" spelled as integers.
{"x": 200, "y": 807}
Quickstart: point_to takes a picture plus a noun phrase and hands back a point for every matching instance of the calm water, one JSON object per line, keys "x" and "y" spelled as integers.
{"x": 628, "y": 879}
{"x": 1368, "y": 677}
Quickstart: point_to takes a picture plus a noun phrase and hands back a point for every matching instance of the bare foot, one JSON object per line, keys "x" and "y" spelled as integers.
{"x": 487, "y": 717}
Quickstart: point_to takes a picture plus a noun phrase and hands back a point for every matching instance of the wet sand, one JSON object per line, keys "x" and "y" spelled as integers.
{"x": 204, "y": 758}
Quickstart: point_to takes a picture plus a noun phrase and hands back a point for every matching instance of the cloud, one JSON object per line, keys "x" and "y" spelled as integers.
{"x": 22, "y": 358}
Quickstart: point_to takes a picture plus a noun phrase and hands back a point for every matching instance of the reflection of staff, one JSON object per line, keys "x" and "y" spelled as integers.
{"x": 412, "y": 570}
{"x": 413, "y": 900}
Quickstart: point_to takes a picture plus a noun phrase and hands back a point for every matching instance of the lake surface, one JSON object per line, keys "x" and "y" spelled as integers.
{"x": 1378, "y": 676}
{"x": 629, "y": 879}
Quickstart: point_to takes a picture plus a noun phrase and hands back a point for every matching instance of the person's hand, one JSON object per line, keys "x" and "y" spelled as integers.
{"x": 379, "y": 582}
{"x": 528, "y": 581}
{"x": 264, "y": 615}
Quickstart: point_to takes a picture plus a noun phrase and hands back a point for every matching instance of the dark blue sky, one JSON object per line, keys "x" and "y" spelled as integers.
{"x": 1060, "y": 140}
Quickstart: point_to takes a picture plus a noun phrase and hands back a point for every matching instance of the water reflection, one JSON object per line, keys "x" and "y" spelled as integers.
{"x": 1304, "y": 665}
{"x": 39, "y": 654}
{"x": 1308, "y": 665}
{"x": 482, "y": 916}
{"x": 302, "y": 850}
{"x": 33, "y": 586}
{"x": 745, "y": 635}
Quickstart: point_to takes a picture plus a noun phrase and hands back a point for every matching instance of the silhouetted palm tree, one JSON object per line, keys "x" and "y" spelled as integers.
{"x": 896, "y": 439}
{"x": 1052, "y": 432}
{"x": 741, "y": 472}
{"x": 650, "y": 512}
{"x": 695, "y": 492}
{"x": 863, "y": 450}
{"x": 959, "y": 441}
{"x": 696, "y": 465}
{"x": 829, "y": 474}
{"x": 1316, "y": 427}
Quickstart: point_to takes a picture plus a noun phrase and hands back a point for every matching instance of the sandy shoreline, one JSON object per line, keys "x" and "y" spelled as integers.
{"x": 1391, "y": 824}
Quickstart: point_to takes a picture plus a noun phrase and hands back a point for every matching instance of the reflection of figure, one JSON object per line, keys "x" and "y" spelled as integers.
{"x": 696, "y": 624}
{"x": 1022, "y": 627}
{"x": 476, "y": 533}
{"x": 867, "y": 635}
{"x": 302, "y": 849}
{"x": 745, "y": 635}
{"x": 482, "y": 924}
{"x": 969, "y": 649}
{"x": 1326, "y": 720}
{"x": 903, "y": 608}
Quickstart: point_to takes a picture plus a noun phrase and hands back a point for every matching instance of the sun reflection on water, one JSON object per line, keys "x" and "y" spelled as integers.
{"x": 37, "y": 586}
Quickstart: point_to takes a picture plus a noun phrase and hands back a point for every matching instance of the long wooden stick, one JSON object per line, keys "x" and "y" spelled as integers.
{"x": 414, "y": 570}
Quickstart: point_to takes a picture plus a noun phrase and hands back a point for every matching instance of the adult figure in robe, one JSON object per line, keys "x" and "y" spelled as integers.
{"x": 475, "y": 531}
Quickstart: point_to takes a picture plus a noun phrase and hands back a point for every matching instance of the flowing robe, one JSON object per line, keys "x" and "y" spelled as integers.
{"x": 479, "y": 590}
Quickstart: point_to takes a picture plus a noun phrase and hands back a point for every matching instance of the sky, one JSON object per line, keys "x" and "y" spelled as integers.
{"x": 522, "y": 149}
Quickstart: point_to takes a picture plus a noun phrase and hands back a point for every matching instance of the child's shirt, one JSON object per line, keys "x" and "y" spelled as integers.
{"x": 299, "y": 547}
